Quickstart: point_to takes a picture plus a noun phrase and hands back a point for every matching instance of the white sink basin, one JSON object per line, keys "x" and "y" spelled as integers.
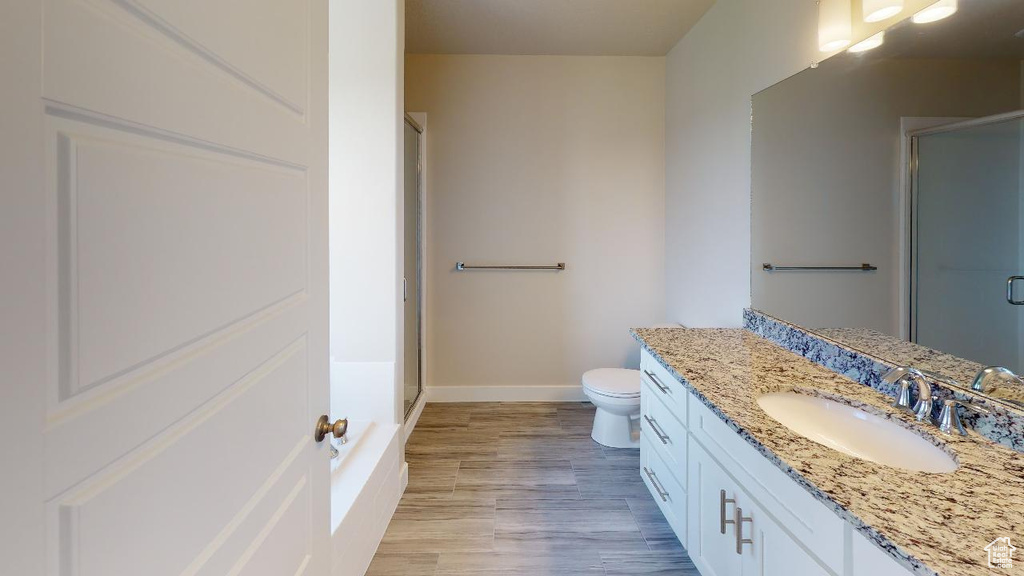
{"x": 855, "y": 432}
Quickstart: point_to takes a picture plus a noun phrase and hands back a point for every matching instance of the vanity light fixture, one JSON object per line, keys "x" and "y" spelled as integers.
{"x": 938, "y": 11}
{"x": 871, "y": 42}
{"x": 878, "y": 10}
{"x": 835, "y": 25}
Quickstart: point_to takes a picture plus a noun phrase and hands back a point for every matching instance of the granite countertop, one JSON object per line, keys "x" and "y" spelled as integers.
{"x": 931, "y": 523}
{"x": 890, "y": 349}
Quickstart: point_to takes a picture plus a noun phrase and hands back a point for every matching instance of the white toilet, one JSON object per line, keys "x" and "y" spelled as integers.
{"x": 616, "y": 394}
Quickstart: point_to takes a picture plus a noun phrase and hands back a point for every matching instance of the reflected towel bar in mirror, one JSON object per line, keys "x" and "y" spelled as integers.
{"x": 768, "y": 267}
{"x": 464, "y": 266}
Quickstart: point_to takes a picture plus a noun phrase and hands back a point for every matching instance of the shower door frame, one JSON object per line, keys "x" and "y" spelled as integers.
{"x": 910, "y": 203}
{"x": 418, "y": 125}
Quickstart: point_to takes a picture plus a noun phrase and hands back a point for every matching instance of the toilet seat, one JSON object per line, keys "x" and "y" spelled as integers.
{"x": 613, "y": 382}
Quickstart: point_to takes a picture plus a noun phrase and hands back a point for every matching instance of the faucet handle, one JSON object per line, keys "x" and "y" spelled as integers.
{"x": 949, "y": 419}
{"x": 902, "y": 400}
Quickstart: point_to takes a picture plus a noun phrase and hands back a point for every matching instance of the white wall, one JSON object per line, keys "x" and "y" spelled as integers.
{"x": 737, "y": 49}
{"x": 826, "y": 178}
{"x": 366, "y": 235}
{"x": 539, "y": 159}
{"x": 366, "y": 175}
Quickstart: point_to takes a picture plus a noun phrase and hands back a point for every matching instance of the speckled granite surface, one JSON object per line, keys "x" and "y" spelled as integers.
{"x": 894, "y": 350}
{"x": 931, "y": 523}
{"x": 877, "y": 354}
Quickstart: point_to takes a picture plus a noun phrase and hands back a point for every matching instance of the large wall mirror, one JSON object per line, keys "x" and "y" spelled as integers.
{"x": 888, "y": 195}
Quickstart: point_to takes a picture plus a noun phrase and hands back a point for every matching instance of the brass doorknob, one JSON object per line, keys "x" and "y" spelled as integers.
{"x": 324, "y": 427}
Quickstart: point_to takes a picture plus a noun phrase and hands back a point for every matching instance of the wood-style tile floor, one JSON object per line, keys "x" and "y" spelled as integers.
{"x": 521, "y": 489}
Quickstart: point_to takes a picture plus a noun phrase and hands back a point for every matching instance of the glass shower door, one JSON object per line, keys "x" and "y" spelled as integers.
{"x": 412, "y": 363}
{"x": 968, "y": 218}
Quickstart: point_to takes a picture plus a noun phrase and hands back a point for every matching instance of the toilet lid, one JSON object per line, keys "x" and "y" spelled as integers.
{"x": 614, "y": 382}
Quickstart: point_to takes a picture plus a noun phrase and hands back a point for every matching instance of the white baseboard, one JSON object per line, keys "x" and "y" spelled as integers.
{"x": 405, "y": 476}
{"x": 573, "y": 393}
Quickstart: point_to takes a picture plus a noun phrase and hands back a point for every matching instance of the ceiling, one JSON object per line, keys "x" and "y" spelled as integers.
{"x": 570, "y": 27}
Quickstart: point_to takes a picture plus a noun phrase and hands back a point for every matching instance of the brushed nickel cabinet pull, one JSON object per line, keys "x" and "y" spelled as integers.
{"x": 654, "y": 426}
{"x": 739, "y": 519}
{"x": 654, "y": 379}
{"x": 722, "y": 502}
{"x": 657, "y": 485}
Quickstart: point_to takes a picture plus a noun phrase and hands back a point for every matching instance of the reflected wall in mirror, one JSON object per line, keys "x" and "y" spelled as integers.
{"x": 908, "y": 157}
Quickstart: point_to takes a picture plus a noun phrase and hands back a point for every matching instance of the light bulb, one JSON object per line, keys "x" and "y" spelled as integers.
{"x": 938, "y": 11}
{"x": 835, "y": 25}
{"x": 871, "y": 42}
{"x": 878, "y": 10}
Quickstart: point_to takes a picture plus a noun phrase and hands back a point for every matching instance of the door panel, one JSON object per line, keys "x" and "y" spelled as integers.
{"x": 116, "y": 64}
{"x": 139, "y": 279}
{"x": 182, "y": 489}
{"x": 182, "y": 215}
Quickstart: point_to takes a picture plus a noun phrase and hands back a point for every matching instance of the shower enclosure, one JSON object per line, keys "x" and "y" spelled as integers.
{"x": 967, "y": 240}
{"x": 413, "y": 272}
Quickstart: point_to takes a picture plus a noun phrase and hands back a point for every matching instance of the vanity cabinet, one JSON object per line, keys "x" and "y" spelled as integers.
{"x": 702, "y": 475}
{"x": 732, "y": 535}
{"x": 664, "y": 443}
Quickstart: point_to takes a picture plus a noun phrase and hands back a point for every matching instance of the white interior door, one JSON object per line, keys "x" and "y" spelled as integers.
{"x": 164, "y": 247}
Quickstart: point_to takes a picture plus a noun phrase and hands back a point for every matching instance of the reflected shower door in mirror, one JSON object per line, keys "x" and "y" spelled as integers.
{"x": 968, "y": 219}
{"x": 885, "y": 158}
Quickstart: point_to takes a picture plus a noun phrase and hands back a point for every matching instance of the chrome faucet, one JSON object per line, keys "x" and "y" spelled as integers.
{"x": 987, "y": 379}
{"x": 905, "y": 376}
{"x": 948, "y": 421}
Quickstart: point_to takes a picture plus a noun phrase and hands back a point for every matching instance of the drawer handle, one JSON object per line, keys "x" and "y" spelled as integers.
{"x": 654, "y": 426}
{"x": 657, "y": 485}
{"x": 722, "y": 502}
{"x": 739, "y": 520}
{"x": 662, "y": 387}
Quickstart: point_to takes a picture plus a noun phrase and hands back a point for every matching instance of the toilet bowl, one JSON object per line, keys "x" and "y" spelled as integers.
{"x": 615, "y": 392}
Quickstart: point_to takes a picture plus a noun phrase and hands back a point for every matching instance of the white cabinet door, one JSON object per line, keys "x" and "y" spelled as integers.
{"x": 869, "y": 560}
{"x": 164, "y": 244}
{"x": 772, "y": 552}
{"x": 711, "y": 540}
{"x": 717, "y": 502}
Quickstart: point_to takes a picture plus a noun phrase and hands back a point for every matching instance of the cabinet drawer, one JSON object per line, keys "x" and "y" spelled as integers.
{"x": 665, "y": 386}
{"x": 809, "y": 521}
{"x": 663, "y": 429}
{"x": 668, "y": 493}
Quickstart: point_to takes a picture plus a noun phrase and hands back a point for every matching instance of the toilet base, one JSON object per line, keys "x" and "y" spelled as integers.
{"x": 615, "y": 430}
